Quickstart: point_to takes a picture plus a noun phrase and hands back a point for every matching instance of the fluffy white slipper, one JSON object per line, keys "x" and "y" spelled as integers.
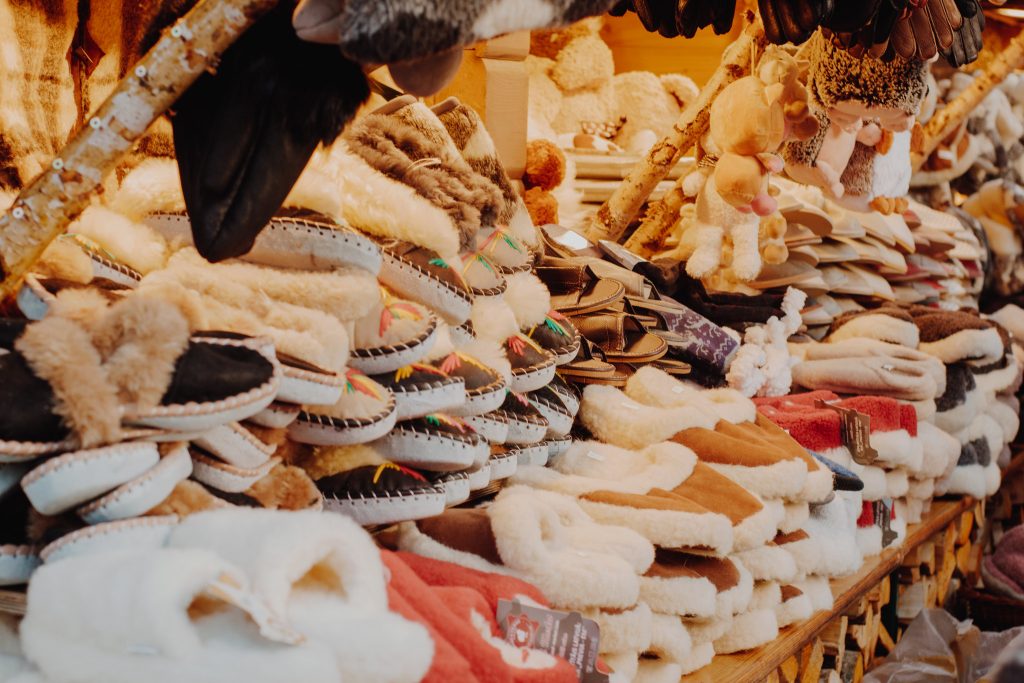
{"x": 795, "y": 514}
{"x": 139, "y": 533}
{"x": 748, "y": 630}
{"x": 657, "y": 671}
{"x": 768, "y": 563}
{"x": 142, "y": 493}
{"x": 818, "y": 589}
{"x": 235, "y": 445}
{"x": 614, "y": 417}
{"x": 71, "y": 479}
{"x": 700, "y": 656}
{"x": 625, "y": 631}
{"x": 276, "y": 415}
{"x": 670, "y": 641}
{"x": 795, "y": 607}
{"x": 323, "y": 575}
{"x": 99, "y": 617}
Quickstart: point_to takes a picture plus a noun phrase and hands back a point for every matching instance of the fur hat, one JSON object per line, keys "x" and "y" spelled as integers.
{"x": 953, "y": 336}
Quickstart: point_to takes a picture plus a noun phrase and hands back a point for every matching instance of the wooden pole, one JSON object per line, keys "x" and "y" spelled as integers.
{"x": 615, "y": 215}
{"x": 952, "y": 115}
{"x": 53, "y": 199}
{"x": 658, "y": 221}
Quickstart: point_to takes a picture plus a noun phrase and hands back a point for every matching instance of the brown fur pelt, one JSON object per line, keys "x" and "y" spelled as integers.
{"x": 403, "y": 153}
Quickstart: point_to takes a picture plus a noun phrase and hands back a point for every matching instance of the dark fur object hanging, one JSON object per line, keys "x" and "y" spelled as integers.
{"x": 244, "y": 135}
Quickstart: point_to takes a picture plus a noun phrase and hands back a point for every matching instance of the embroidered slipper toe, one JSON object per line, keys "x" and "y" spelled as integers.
{"x": 365, "y": 411}
{"x": 532, "y": 366}
{"x": 142, "y": 493}
{"x": 298, "y": 239}
{"x": 276, "y": 416}
{"x": 485, "y": 387}
{"x": 69, "y": 480}
{"x": 505, "y": 250}
{"x": 422, "y": 275}
{"x": 504, "y": 463}
{"x": 525, "y": 423}
{"x": 392, "y": 335}
{"x": 435, "y": 442}
{"x": 382, "y": 494}
{"x": 304, "y": 383}
{"x": 577, "y": 290}
{"x": 549, "y": 404}
{"x": 421, "y": 389}
{"x": 235, "y": 445}
{"x": 558, "y": 336}
{"x": 482, "y": 277}
{"x": 456, "y": 486}
{"x": 492, "y": 426}
{"x": 138, "y": 533}
{"x": 224, "y": 477}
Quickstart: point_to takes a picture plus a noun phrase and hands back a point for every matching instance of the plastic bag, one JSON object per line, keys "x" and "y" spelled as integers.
{"x": 937, "y": 648}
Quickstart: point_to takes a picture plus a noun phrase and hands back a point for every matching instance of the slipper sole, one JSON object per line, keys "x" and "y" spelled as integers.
{"x": 228, "y": 478}
{"x": 492, "y": 427}
{"x": 439, "y": 397}
{"x": 323, "y": 430}
{"x": 432, "y": 451}
{"x": 276, "y": 415}
{"x": 536, "y": 454}
{"x": 411, "y": 282}
{"x": 139, "y": 533}
{"x": 304, "y": 387}
{"x": 481, "y": 401}
{"x": 309, "y": 245}
{"x": 17, "y": 562}
{"x": 235, "y": 445}
{"x": 141, "y": 494}
{"x": 559, "y": 420}
{"x": 503, "y": 465}
{"x": 480, "y": 478}
{"x": 533, "y": 378}
{"x": 69, "y": 480}
{"x": 456, "y": 488}
{"x": 390, "y": 509}
{"x": 383, "y": 359}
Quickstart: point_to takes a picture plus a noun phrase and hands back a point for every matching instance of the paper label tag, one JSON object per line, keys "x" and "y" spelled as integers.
{"x": 855, "y": 431}
{"x": 563, "y": 634}
{"x": 883, "y": 518}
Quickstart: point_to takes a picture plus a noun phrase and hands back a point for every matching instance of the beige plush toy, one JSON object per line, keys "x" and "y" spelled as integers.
{"x": 784, "y": 75}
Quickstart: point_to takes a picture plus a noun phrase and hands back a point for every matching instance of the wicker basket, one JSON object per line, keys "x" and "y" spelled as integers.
{"x": 990, "y": 612}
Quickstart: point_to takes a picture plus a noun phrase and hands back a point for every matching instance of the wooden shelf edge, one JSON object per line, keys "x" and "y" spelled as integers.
{"x": 756, "y": 665}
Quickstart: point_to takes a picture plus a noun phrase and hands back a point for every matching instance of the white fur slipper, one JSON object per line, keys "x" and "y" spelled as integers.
{"x": 543, "y": 538}
{"x": 195, "y": 628}
{"x": 74, "y": 478}
{"x": 225, "y": 477}
{"x": 235, "y": 445}
{"x": 138, "y": 533}
{"x": 700, "y": 656}
{"x": 141, "y": 493}
{"x": 657, "y": 671}
{"x": 276, "y": 415}
{"x": 381, "y": 494}
{"x": 615, "y": 418}
{"x": 366, "y": 411}
{"x": 393, "y": 335}
{"x": 749, "y": 630}
{"x": 493, "y": 427}
{"x": 623, "y": 631}
{"x": 436, "y": 442}
{"x": 768, "y": 562}
{"x": 795, "y": 607}
{"x": 323, "y": 575}
{"x": 688, "y": 585}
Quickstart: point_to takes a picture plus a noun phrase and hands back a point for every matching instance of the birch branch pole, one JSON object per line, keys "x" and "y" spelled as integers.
{"x": 60, "y": 193}
{"x": 615, "y": 215}
{"x": 952, "y": 115}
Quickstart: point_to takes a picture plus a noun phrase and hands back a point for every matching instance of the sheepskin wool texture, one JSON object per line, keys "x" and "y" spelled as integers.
{"x": 625, "y": 631}
{"x": 615, "y": 418}
{"x": 528, "y": 298}
{"x": 795, "y": 607}
{"x": 473, "y": 141}
{"x": 753, "y": 522}
{"x": 345, "y": 603}
{"x": 400, "y": 149}
{"x": 153, "y": 186}
{"x": 86, "y": 608}
{"x": 961, "y": 402}
{"x": 133, "y": 244}
{"x": 380, "y": 206}
{"x": 891, "y": 325}
{"x": 62, "y": 354}
{"x": 65, "y": 260}
{"x": 492, "y": 319}
{"x": 670, "y": 640}
{"x": 327, "y": 460}
{"x": 768, "y": 562}
{"x": 317, "y": 188}
{"x": 656, "y": 387}
{"x": 953, "y": 336}
{"x": 748, "y": 630}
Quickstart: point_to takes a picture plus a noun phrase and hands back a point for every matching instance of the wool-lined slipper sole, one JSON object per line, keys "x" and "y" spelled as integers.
{"x": 198, "y": 416}
{"x": 442, "y": 395}
{"x": 142, "y": 493}
{"x": 10, "y": 475}
{"x": 525, "y": 424}
{"x": 74, "y": 478}
{"x": 381, "y": 359}
{"x": 323, "y": 430}
{"x": 235, "y": 445}
{"x": 434, "y": 443}
{"x": 554, "y": 411}
{"x": 505, "y": 251}
{"x": 482, "y": 401}
{"x": 412, "y": 282}
{"x": 503, "y": 465}
{"x": 228, "y": 478}
{"x": 106, "y": 269}
{"x": 307, "y": 386}
{"x": 533, "y": 378}
{"x": 17, "y": 562}
{"x": 483, "y": 277}
{"x": 479, "y": 477}
{"x": 492, "y": 426}
{"x": 27, "y": 451}
{"x": 34, "y": 300}
{"x": 456, "y": 487}
{"x": 138, "y": 533}
{"x": 557, "y": 447}
{"x": 567, "y": 394}
{"x": 276, "y": 415}
{"x": 535, "y": 454}
{"x": 389, "y": 509}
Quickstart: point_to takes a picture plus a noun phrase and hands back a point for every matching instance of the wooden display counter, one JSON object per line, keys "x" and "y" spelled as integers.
{"x": 840, "y": 644}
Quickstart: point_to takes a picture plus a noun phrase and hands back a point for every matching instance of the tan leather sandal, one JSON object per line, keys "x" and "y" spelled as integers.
{"x": 577, "y": 290}
{"x": 622, "y": 337}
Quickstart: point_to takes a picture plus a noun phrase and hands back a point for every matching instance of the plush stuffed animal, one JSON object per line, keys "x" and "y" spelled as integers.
{"x": 783, "y": 75}
{"x": 545, "y": 170}
{"x": 746, "y": 129}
